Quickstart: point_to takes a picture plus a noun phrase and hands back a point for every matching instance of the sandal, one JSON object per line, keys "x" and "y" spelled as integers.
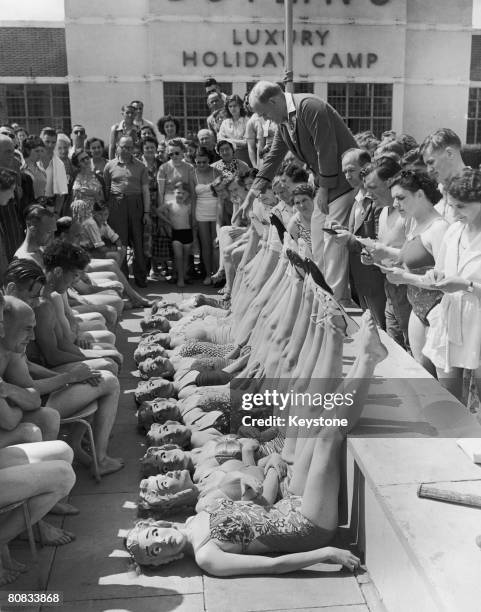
{"x": 331, "y": 306}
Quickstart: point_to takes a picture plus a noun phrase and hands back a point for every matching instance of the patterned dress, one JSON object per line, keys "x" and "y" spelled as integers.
{"x": 282, "y": 527}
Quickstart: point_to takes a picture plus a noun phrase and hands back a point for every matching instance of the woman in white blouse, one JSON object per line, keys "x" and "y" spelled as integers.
{"x": 454, "y": 337}
{"x": 234, "y": 127}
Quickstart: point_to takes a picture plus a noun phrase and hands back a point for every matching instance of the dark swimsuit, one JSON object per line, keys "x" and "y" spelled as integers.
{"x": 418, "y": 260}
{"x": 281, "y": 528}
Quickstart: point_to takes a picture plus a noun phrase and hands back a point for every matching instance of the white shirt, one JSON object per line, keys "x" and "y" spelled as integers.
{"x": 291, "y": 115}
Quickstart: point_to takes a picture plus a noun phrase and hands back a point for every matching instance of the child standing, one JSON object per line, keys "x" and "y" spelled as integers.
{"x": 180, "y": 217}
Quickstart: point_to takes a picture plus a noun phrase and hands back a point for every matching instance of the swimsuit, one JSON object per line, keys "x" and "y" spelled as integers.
{"x": 281, "y": 528}
{"x": 418, "y": 260}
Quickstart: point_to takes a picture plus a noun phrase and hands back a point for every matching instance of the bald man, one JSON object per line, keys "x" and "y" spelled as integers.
{"x": 315, "y": 133}
{"x": 207, "y": 140}
{"x": 22, "y": 419}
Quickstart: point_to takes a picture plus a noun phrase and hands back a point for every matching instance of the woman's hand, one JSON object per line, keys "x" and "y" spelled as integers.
{"x": 395, "y": 276}
{"x": 251, "y": 487}
{"x": 235, "y": 232}
{"x": 249, "y": 444}
{"x": 277, "y": 462}
{"x": 451, "y": 284}
{"x": 344, "y": 557}
{"x": 343, "y": 236}
{"x": 377, "y": 250}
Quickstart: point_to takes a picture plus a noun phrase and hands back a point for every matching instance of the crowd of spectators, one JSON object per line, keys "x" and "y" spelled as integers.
{"x": 73, "y": 209}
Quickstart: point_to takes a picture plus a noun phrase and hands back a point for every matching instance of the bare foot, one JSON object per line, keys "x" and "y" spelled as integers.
{"x": 371, "y": 343}
{"x": 53, "y": 536}
{"x": 109, "y": 465}
{"x": 64, "y": 509}
{"x": 346, "y": 558}
{"x": 11, "y": 564}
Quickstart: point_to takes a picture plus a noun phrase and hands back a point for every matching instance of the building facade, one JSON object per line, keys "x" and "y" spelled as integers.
{"x": 406, "y": 65}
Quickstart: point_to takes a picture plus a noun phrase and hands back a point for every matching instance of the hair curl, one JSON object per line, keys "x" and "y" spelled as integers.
{"x": 23, "y": 272}
{"x": 131, "y": 541}
{"x": 165, "y": 119}
{"x": 30, "y": 143}
{"x": 466, "y": 186}
{"x": 238, "y": 100}
{"x": 162, "y": 503}
{"x": 440, "y": 139}
{"x": 412, "y": 180}
{"x": 303, "y": 189}
{"x": 149, "y": 464}
{"x": 69, "y": 257}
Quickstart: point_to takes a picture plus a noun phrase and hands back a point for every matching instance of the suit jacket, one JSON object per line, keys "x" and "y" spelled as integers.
{"x": 320, "y": 136}
{"x": 368, "y": 279}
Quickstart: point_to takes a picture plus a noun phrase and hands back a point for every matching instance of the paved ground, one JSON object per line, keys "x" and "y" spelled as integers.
{"x": 95, "y": 576}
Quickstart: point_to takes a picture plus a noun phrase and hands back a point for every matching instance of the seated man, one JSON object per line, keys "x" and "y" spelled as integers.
{"x": 21, "y": 417}
{"x": 54, "y": 348}
{"x": 41, "y": 225}
{"x": 71, "y": 391}
{"x": 41, "y": 473}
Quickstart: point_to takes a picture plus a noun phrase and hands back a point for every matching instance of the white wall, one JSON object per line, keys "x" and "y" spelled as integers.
{"x": 124, "y": 49}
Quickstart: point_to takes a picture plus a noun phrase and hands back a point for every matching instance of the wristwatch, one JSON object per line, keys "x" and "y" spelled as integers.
{"x": 470, "y": 288}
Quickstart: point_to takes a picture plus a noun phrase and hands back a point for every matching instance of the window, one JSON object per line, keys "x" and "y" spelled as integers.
{"x": 304, "y": 87}
{"x": 364, "y": 106}
{"x": 299, "y": 87}
{"x": 187, "y": 103}
{"x": 474, "y": 116}
{"x": 36, "y": 106}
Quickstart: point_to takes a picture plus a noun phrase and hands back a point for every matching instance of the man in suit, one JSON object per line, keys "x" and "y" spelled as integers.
{"x": 368, "y": 280}
{"x": 314, "y": 132}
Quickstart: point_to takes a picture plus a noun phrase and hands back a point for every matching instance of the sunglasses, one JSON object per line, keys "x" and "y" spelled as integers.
{"x": 79, "y": 132}
{"x": 9, "y": 134}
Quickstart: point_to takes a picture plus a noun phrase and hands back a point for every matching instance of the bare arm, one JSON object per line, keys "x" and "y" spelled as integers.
{"x": 17, "y": 386}
{"x": 219, "y": 563}
{"x": 10, "y": 416}
{"x": 46, "y": 337}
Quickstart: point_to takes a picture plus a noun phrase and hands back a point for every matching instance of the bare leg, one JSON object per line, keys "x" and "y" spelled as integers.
{"x": 94, "y": 364}
{"x": 179, "y": 262}
{"x": 452, "y": 381}
{"x": 43, "y": 484}
{"x": 206, "y": 236}
{"x": 47, "y": 420}
{"x": 100, "y": 335}
{"x": 109, "y": 313}
{"x": 22, "y": 434}
{"x": 417, "y": 339}
{"x": 35, "y": 452}
{"x": 106, "y": 393}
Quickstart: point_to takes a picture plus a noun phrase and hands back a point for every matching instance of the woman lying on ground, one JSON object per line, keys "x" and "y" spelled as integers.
{"x": 232, "y": 538}
{"x": 233, "y": 479}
